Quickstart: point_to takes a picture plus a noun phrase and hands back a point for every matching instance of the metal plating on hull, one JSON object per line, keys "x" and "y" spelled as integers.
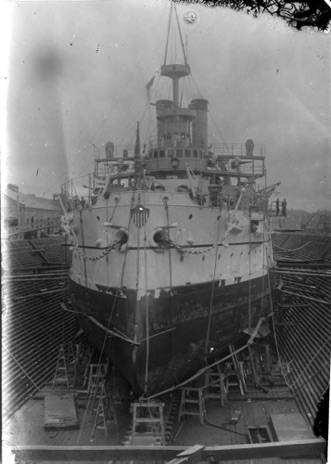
{"x": 177, "y": 330}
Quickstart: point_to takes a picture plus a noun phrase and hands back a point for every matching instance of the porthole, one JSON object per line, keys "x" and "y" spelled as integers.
{"x": 181, "y": 259}
{"x": 203, "y": 258}
{"x": 98, "y": 218}
{"x": 190, "y": 216}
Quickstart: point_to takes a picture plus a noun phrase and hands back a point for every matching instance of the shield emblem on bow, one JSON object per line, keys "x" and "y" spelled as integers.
{"x": 140, "y": 215}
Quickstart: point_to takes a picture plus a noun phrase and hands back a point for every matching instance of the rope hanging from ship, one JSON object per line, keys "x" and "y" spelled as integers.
{"x": 146, "y": 311}
{"x": 99, "y": 369}
{"x": 294, "y": 249}
{"x": 126, "y": 250}
{"x": 212, "y": 290}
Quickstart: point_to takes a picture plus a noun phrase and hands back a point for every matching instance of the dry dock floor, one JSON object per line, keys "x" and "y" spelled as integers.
{"x": 26, "y": 427}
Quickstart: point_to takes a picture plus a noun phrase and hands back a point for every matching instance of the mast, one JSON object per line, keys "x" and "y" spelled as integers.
{"x": 181, "y": 131}
{"x": 172, "y": 70}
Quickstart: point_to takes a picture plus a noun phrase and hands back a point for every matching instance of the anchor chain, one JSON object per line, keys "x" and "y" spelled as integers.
{"x": 95, "y": 258}
{"x": 192, "y": 252}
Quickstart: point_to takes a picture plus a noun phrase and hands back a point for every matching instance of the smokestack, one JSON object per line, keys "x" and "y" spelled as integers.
{"x": 200, "y": 123}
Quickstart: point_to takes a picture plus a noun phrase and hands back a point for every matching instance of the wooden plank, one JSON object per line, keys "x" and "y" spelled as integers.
{"x": 190, "y": 455}
{"x": 289, "y": 427}
{"x": 60, "y": 412}
{"x": 288, "y": 449}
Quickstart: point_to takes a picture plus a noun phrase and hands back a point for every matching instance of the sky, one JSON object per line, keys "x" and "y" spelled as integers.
{"x": 74, "y": 75}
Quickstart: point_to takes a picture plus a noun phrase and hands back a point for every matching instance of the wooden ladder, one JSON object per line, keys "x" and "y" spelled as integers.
{"x": 214, "y": 387}
{"x": 105, "y": 414}
{"x": 238, "y": 373}
{"x": 66, "y": 356}
{"x": 148, "y": 424}
{"x": 98, "y": 373}
{"x": 192, "y": 403}
{"x": 96, "y": 387}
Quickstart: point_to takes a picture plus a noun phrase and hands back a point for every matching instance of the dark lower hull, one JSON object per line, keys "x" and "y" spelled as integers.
{"x": 178, "y": 321}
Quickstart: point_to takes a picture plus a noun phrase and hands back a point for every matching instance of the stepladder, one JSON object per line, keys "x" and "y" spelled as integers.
{"x": 214, "y": 387}
{"x": 66, "y": 358}
{"x": 105, "y": 415}
{"x": 235, "y": 376}
{"x": 192, "y": 403}
{"x": 96, "y": 387}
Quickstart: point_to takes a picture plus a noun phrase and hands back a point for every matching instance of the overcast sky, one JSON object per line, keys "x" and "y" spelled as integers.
{"x": 77, "y": 73}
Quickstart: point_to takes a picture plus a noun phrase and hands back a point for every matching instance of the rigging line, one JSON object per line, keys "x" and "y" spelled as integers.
{"x": 99, "y": 366}
{"x": 127, "y": 248}
{"x": 199, "y": 373}
{"x": 137, "y": 271}
{"x": 160, "y": 333}
{"x": 146, "y": 307}
{"x": 19, "y": 365}
{"x": 264, "y": 253}
{"x": 212, "y": 288}
{"x": 250, "y": 270}
{"x": 147, "y": 108}
{"x": 111, "y": 332}
{"x": 217, "y": 128}
{"x": 294, "y": 249}
{"x": 165, "y": 202}
{"x": 147, "y": 130}
{"x": 196, "y": 84}
{"x": 226, "y": 429}
{"x": 314, "y": 357}
{"x": 168, "y": 33}
{"x": 158, "y": 82}
{"x": 180, "y": 35}
{"x": 132, "y": 142}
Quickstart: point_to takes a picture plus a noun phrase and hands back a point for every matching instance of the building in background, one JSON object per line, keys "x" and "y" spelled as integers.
{"x": 29, "y": 214}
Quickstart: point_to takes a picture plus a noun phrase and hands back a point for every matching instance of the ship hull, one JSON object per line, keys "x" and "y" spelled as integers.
{"x": 162, "y": 338}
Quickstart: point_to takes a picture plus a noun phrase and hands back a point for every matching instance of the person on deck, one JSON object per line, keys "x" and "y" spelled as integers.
{"x": 277, "y": 207}
{"x": 284, "y": 204}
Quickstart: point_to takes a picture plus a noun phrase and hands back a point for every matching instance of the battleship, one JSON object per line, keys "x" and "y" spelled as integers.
{"x": 171, "y": 247}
